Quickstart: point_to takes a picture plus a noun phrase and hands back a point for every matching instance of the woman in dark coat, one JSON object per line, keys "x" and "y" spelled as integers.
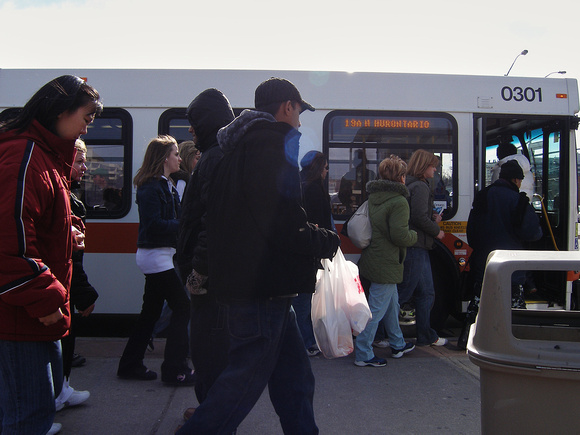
{"x": 317, "y": 206}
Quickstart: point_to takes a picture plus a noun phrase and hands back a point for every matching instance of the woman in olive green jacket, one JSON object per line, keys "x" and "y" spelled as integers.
{"x": 382, "y": 261}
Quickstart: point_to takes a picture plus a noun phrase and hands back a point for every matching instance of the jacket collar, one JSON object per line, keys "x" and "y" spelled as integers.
{"x": 61, "y": 150}
{"x": 380, "y": 185}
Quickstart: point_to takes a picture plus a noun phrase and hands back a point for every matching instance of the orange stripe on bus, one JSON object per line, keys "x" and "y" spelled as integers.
{"x": 117, "y": 238}
{"x": 346, "y": 246}
{"x": 121, "y": 238}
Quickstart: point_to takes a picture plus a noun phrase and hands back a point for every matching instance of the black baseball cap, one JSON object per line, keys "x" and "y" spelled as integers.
{"x": 277, "y": 90}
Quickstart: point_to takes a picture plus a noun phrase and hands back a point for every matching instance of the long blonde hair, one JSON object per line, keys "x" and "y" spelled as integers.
{"x": 420, "y": 162}
{"x": 157, "y": 152}
{"x": 187, "y": 152}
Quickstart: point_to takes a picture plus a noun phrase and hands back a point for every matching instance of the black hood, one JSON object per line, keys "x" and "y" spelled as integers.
{"x": 207, "y": 113}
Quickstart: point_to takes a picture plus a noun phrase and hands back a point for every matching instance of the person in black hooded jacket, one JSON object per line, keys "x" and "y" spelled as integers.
{"x": 207, "y": 113}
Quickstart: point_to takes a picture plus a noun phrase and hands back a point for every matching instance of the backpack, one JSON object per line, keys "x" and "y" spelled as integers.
{"x": 358, "y": 227}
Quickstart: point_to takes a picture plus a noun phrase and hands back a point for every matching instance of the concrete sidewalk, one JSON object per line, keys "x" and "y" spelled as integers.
{"x": 429, "y": 391}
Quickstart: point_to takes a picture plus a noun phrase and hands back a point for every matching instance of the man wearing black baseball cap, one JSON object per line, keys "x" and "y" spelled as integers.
{"x": 262, "y": 252}
{"x": 275, "y": 91}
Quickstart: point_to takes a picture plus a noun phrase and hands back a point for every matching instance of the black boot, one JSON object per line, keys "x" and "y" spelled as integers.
{"x": 472, "y": 311}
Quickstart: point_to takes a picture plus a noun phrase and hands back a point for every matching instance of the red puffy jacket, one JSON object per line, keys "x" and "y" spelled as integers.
{"x": 35, "y": 233}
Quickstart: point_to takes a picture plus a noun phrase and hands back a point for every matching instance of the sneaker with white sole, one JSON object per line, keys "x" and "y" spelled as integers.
{"x": 373, "y": 362}
{"x": 440, "y": 342}
{"x": 398, "y": 353}
{"x": 54, "y": 429}
{"x": 70, "y": 397}
{"x": 383, "y": 344}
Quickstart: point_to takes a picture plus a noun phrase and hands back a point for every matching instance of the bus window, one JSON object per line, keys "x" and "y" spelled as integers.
{"x": 357, "y": 141}
{"x": 106, "y": 187}
{"x": 174, "y": 123}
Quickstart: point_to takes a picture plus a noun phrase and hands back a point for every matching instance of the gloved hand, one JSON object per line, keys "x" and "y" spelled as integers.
{"x": 195, "y": 283}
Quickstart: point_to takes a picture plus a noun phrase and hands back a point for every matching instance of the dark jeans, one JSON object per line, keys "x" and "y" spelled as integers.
{"x": 30, "y": 380}
{"x": 209, "y": 342}
{"x": 266, "y": 349}
{"x": 158, "y": 288}
{"x": 418, "y": 285}
{"x": 303, "y": 307}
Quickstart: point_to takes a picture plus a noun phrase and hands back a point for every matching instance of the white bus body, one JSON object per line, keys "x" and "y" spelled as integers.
{"x": 357, "y": 114}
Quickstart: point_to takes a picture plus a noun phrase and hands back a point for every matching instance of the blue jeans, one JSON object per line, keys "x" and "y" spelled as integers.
{"x": 302, "y": 305}
{"x": 266, "y": 349}
{"x": 30, "y": 380}
{"x": 417, "y": 285}
{"x": 383, "y": 302}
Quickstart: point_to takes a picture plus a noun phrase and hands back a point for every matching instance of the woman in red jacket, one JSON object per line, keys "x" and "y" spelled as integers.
{"x": 36, "y": 243}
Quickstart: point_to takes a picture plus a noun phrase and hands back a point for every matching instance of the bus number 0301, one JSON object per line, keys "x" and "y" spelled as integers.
{"x": 519, "y": 94}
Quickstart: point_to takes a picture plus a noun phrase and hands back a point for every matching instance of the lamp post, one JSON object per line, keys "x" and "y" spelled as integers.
{"x": 555, "y": 72}
{"x": 523, "y": 53}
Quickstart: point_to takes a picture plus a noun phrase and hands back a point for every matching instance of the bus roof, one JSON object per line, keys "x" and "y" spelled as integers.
{"x": 149, "y": 88}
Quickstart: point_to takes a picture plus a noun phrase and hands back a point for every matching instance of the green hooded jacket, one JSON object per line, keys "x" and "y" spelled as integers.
{"x": 382, "y": 261}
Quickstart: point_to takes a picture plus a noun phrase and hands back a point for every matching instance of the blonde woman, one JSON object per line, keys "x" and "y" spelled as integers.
{"x": 417, "y": 282}
{"x": 159, "y": 211}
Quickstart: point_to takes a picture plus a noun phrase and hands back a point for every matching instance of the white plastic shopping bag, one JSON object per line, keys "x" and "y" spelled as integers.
{"x": 329, "y": 322}
{"x": 356, "y": 306}
{"x": 339, "y": 307}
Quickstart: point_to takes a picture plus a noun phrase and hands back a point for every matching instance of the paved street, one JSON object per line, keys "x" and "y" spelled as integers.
{"x": 429, "y": 391}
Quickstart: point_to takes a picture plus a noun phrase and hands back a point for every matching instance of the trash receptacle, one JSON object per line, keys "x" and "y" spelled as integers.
{"x": 529, "y": 375}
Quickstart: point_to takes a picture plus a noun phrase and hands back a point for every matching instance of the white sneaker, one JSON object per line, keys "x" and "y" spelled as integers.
{"x": 440, "y": 342}
{"x": 70, "y": 397}
{"x": 54, "y": 429}
{"x": 384, "y": 343}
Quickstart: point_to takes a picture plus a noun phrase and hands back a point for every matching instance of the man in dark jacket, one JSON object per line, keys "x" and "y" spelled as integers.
{"x": 501, "y": 218}
{"x": 261, "y": 252}
{"x": 207, "y": 113}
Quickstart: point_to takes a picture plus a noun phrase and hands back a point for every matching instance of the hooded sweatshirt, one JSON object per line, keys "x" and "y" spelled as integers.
{"x": 35, "y": 233}
{"x": 260, "y": 243}
{"x": 207, "y": 113}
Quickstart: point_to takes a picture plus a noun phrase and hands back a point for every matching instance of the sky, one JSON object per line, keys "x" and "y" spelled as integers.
{"x": 419, "y": 36}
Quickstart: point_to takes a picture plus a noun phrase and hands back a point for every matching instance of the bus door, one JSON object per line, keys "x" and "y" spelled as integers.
{"x": 548, "y": 145}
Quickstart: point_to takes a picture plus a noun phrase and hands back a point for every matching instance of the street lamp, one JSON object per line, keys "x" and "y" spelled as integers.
{"x": 555, "y": 72}
{"x": 523, "y": 53}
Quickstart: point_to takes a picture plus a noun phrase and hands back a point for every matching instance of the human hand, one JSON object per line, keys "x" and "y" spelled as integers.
{"x": 51, "y": 319}
{"x": 195, "y": 283}
{"x": 86, "y": 312}
{"x": 437, "y": 217}
{"x": 441, "y": 235}
{"x": 78, "y": 239}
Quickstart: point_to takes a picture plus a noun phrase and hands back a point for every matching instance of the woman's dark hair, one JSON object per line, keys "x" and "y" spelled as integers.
{"x": 312, "y": 164}
{"x": 63, "y": 94}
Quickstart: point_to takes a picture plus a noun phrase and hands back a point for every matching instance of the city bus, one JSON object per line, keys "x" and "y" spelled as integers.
{"x": 360, "y": 119}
